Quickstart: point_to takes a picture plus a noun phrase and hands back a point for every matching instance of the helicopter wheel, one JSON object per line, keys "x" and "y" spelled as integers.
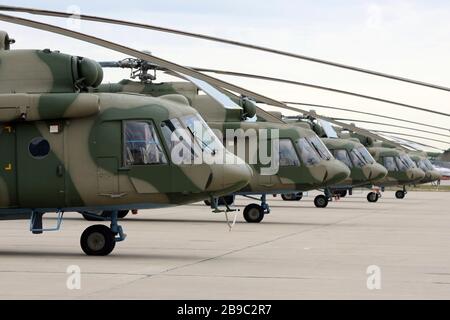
{"x": 321, "y": 201}
{"x": 400, "y": 194}
{"x": 97, "y": 240}
{"x": 372, "y": 197}
{"x": 253, "y": 213}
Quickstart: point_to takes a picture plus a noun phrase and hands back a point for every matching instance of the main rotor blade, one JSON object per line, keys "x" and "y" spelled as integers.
{"x": 343, "y": 125}
{"x": 314, "y": 86}
{"x": 392, "y": 125}
{"x": 172, "y": 66}
{"x": 222, "y": 40}
{"x": 411, "y": 135}
{"x": 365, "y": 113}
{"x": 412, "y": 141}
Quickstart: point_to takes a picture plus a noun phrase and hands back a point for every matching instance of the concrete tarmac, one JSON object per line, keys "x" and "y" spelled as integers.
{"x": 297, "y": 252}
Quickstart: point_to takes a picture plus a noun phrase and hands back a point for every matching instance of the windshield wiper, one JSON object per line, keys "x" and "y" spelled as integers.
{"x": 203, "y": 144}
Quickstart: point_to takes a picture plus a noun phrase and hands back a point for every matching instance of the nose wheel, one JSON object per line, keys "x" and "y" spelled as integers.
{"x": 373, "y": 197}
{"x": 98, "y": 240}
{"x": 321, "y": 201}
{"x": 254, "y": 213}
{"x": 400, "y": 194}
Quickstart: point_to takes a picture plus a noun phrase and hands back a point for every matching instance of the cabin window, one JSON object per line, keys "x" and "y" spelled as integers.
{"x": 142, "y": 146}
{"x": 39, "y": 148}
{"x": 342, "y": 155}
{"x": 389, "y": 164}
{"x": 288, "y": 156}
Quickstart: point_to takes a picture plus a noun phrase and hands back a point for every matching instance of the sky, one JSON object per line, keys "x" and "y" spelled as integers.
{"x": 405, "y": 38}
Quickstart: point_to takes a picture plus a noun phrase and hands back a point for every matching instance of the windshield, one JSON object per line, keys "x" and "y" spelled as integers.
{"x": 320, "y": 148}
{"x": 174, "y": 133}
{"x": 308, "y": 155}
{"x": 406, "y": 158}
{"x": 366, "y": 155}
{"x": 342, "y": 155}
{"x": 357, "y": 158}
{"x": 404, "y": 162}
{"x": 202, "y": 133}
{"x": 428, "y": 164}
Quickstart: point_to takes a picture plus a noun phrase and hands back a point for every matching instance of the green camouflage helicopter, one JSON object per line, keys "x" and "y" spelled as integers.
{"x": 402, "y": 171}
{"x": 65, "y": 149}
{"x": 363, "y": 168}
{"x": 421, "y": 160}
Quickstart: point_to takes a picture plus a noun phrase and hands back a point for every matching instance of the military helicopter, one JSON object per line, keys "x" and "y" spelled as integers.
{"x": 402, "y": 171}
{"x": 65, "y": 149}
{"x": 304, "y": 161}
{"x": 363, "y": 168}
{"x": 421, "y": 160}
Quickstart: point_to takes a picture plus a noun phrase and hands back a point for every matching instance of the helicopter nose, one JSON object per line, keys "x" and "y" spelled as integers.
{"x": 237, "y": 175}
{"x": 376, "y": 172}
{"x": 435, "y": 175}
{"x": 336, "y": 171}
{"x": 229, "y": 177}
{"x": 416, "y": 174}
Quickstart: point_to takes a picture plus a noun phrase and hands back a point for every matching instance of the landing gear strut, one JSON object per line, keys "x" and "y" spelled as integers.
{"x": 254, "y": 213}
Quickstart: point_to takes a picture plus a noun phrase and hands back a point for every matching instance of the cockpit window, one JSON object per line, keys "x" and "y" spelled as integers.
{"x": 389, "y": 164}
{"x": 342, "y": 155}
{"x": 404, "y": 162}
{"x": 202, "y": 133}
{"x": 142, "y": 145}
{"x": 428, "y": 164}
{"x": 308, "y": 155}
{"x": 174, "y": 133}
{"x": 366, "y": 155}
{"x": 288, "y": 156}
{"x": 357, "y": 158}
{"x": 320, "y": 148}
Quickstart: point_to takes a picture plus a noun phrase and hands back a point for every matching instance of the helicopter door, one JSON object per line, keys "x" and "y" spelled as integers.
{"x": 40, "y": 165}
{"x": 8, "y": 195}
